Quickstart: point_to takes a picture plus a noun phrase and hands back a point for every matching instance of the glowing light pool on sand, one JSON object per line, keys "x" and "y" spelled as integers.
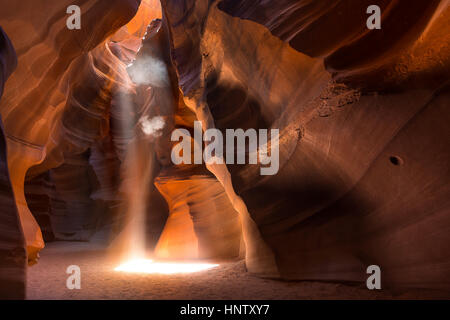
{"x": 149, "y": 266}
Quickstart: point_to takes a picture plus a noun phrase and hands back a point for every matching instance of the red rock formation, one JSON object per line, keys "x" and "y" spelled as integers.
{"x": 47, "y": 52}
{"x": 39, "y": 203}
{"x": 202, "y": 222}
{"x": 359, "y": 170}
{"x": 362, "y": 114}
{"x": 12, "y": 243}
{"x": 337, "y": 32}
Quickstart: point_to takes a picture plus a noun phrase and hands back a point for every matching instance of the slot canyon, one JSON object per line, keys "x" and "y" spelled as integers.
{"x": 86, "y": 149}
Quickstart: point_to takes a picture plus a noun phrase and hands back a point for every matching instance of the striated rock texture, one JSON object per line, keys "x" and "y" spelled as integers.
{"x": 44, "y": 116}
{"x": 38, "y": 201}
{"x": 12, "y": 243}
{"x": 399, "y": 54}
{"x": 202, "y": 222}
{"x": 363, "y": 118}
{"x": 364, "y": 148}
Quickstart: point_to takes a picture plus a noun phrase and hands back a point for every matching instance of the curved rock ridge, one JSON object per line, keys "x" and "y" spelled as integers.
{"x": 393, "y": 56}
{"x": 47, "y": 50}
{"x": 363, "y": 140}
{"x": 202, "y": 223}
{"x": 98, "y": 143}
{"x": 357, "y": 112}
{"x": 12, "y": 243}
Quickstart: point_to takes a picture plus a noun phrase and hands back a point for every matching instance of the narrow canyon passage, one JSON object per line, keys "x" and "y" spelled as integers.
{"x": 291, "y": 148}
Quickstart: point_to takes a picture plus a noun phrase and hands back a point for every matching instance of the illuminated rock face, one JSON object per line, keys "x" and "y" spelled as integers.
{"x": 38, "y": 117}
{"x": 202, "y": 221}
{"x": 32, "y": 104}
{"x": 363, "y": 122}
{"x": 398, "y": 54}
{"x": 364, "y": 175}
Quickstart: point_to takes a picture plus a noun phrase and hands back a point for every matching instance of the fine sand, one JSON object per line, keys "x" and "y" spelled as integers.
{"x": 47, "y": 280}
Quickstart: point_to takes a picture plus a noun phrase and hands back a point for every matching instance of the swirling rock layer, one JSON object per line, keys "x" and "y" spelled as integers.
{"x": 363, "y": 119}
{"x": 359, "y": 180}
{"x": 47, "y": 53}
{"x": 12, "y": 243}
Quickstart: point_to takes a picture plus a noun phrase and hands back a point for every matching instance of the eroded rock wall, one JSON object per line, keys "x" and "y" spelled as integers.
{"x": 363, "y": 119}
{"x": 38, "y": 94}
{"x": 13, "y": 255}
{"x": 363, "y": 146}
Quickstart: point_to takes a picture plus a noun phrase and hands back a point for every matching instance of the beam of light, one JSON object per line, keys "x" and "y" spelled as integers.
{"x": 153, "y": 126}
{"x": 149, "y": 266}
{"x": 149, "y": 70}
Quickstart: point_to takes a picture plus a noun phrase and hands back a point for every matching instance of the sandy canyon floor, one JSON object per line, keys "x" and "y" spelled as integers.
{"x": 47, "y": 280}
